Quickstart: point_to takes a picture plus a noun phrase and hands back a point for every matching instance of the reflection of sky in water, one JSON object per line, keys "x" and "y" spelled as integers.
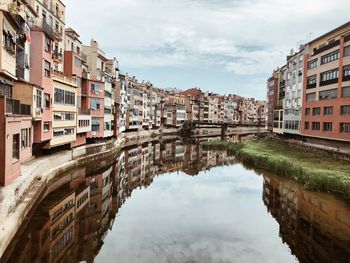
{"x": 218, "y": 216}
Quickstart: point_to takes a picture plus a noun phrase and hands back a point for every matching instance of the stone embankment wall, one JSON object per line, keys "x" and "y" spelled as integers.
{"x": 337, "y": 150}
{"x": 17, "y": 199}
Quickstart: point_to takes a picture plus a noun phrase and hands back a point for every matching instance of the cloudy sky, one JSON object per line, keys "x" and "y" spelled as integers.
{"x": 226, "y": 46}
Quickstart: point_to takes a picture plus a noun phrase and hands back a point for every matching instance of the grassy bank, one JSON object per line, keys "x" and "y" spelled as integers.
{"x": 316, "y": 171}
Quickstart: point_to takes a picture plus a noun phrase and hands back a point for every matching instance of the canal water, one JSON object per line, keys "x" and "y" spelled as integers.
{"x": 178, "y": 203}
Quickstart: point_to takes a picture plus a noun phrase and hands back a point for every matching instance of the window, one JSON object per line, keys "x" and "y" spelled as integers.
{"x": 47, "y": 44}
{"x": 47, "y": 100}
{"x": 315, "y": 126}
{"x": 327, "y": 126}
{"x": 15, "y": 146}
{"x": 312, "y": 64}
{"x": 9, "y": 41}
{"x": 47, "y": 69}
{"x": 25, "y": 138}
{"x": 95, "y": 124}
{"x": 328, "y": 94}
{"x": 63, "y": 132}
{"x": 69, "y": 131}
{"x": 79, "y": 82}
{"x": 316, "y": 111}
{"x": 328, "y": 110}
{"x": 95, "y": 88}
{"x": 46, "y": 126}
{"x": 57, "y": 133}
{"x": 311, "y": 82}
{"x": 345, "y": 110}
{"x": 6, "y": 90}
{"x": 347, "y": 51}
{"x": 329, "y": 75}
{"x": 346, "y": 70}
{"x": 307, "y": 111}
{"x": 345, "y": 128}
{"x": 77, "y": 62}
{"x": 345, "y": 92}
{"x": 64, "y": 97}
{"x": 69, "y": 98}
{"x": 69, "y": 117}
{"x": 95, "y": 104}
{"x": 307, "y": 125}
{"x": 330, "y": 57}
{"x": 38, "y": 99}
{"x": 59, "y": 96}
{"x": 58, "y": 116}
{"x": 311, "y": 97}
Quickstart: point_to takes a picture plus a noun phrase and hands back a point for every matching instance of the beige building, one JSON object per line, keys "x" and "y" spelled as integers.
{"x": 64, "y": 109}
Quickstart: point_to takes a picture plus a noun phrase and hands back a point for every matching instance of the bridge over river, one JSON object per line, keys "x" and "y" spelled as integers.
{"x": 194, "y": 129}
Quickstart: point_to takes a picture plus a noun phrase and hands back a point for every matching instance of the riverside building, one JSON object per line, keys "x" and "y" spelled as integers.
{"x": 326, "y": 108}
{"x": 294, "y": 87}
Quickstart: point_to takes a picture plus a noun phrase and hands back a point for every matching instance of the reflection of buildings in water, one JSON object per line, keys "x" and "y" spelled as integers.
{"x": 70, "y": 224}
{"x": 316, "y": 226}
{"x": 50, "y": 234}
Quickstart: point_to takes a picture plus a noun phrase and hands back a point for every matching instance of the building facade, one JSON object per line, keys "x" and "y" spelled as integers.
{"x": 326, "y": 100}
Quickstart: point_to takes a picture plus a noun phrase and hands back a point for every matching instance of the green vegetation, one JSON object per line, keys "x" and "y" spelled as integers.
{"x": 316, "y": 171}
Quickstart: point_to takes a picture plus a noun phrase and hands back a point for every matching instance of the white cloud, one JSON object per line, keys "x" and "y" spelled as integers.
{"x": 193, "y": 33}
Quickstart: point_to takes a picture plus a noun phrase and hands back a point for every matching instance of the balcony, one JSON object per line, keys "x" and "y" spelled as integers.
{"x": 47, "y": 29}
{"x": 346, "y": 78}
{"x": 311, "y": 86}
{"x": 15, "y": 107}
{"x": 64, "y": 78}
{"x": 57, "y": 56}
{"x": 328, "y": 82}
{"x": 326, "y": 47}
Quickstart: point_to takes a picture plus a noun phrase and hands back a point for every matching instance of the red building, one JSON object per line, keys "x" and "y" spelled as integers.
{"x": 326, "y": 94}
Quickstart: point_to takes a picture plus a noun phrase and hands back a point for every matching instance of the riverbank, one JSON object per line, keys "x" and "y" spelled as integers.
{"x": 17, "y": 199}
{"x": 316, "y": 172}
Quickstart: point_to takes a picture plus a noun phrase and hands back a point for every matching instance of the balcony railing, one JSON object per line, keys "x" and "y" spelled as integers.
{"x": 328, "y": 82}
{"x": 346, "y": 78}
{"x": 311, "y": 86}
{"x": 16, "y": 107}
{"x": 57, "y": 55}
{"x": 326, "y": 47}
{"x": 48, "y": 29}
{"x": 67, "y": 79}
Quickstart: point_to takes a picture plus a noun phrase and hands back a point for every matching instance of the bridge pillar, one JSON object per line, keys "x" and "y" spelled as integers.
{"x": 224, "y": 131}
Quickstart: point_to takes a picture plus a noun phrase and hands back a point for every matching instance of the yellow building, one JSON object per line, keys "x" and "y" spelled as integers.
{"x": 64, "y": 109}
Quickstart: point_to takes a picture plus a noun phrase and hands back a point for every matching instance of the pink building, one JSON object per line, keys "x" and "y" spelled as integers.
{"x": 92, "y": 99}
{"x": 41, "y": 70}
{"x": 15, "y": 117}
{"x": 16, "y": 138}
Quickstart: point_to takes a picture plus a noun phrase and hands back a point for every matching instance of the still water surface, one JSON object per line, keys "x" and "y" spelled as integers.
{"x": 178, "y": 203}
